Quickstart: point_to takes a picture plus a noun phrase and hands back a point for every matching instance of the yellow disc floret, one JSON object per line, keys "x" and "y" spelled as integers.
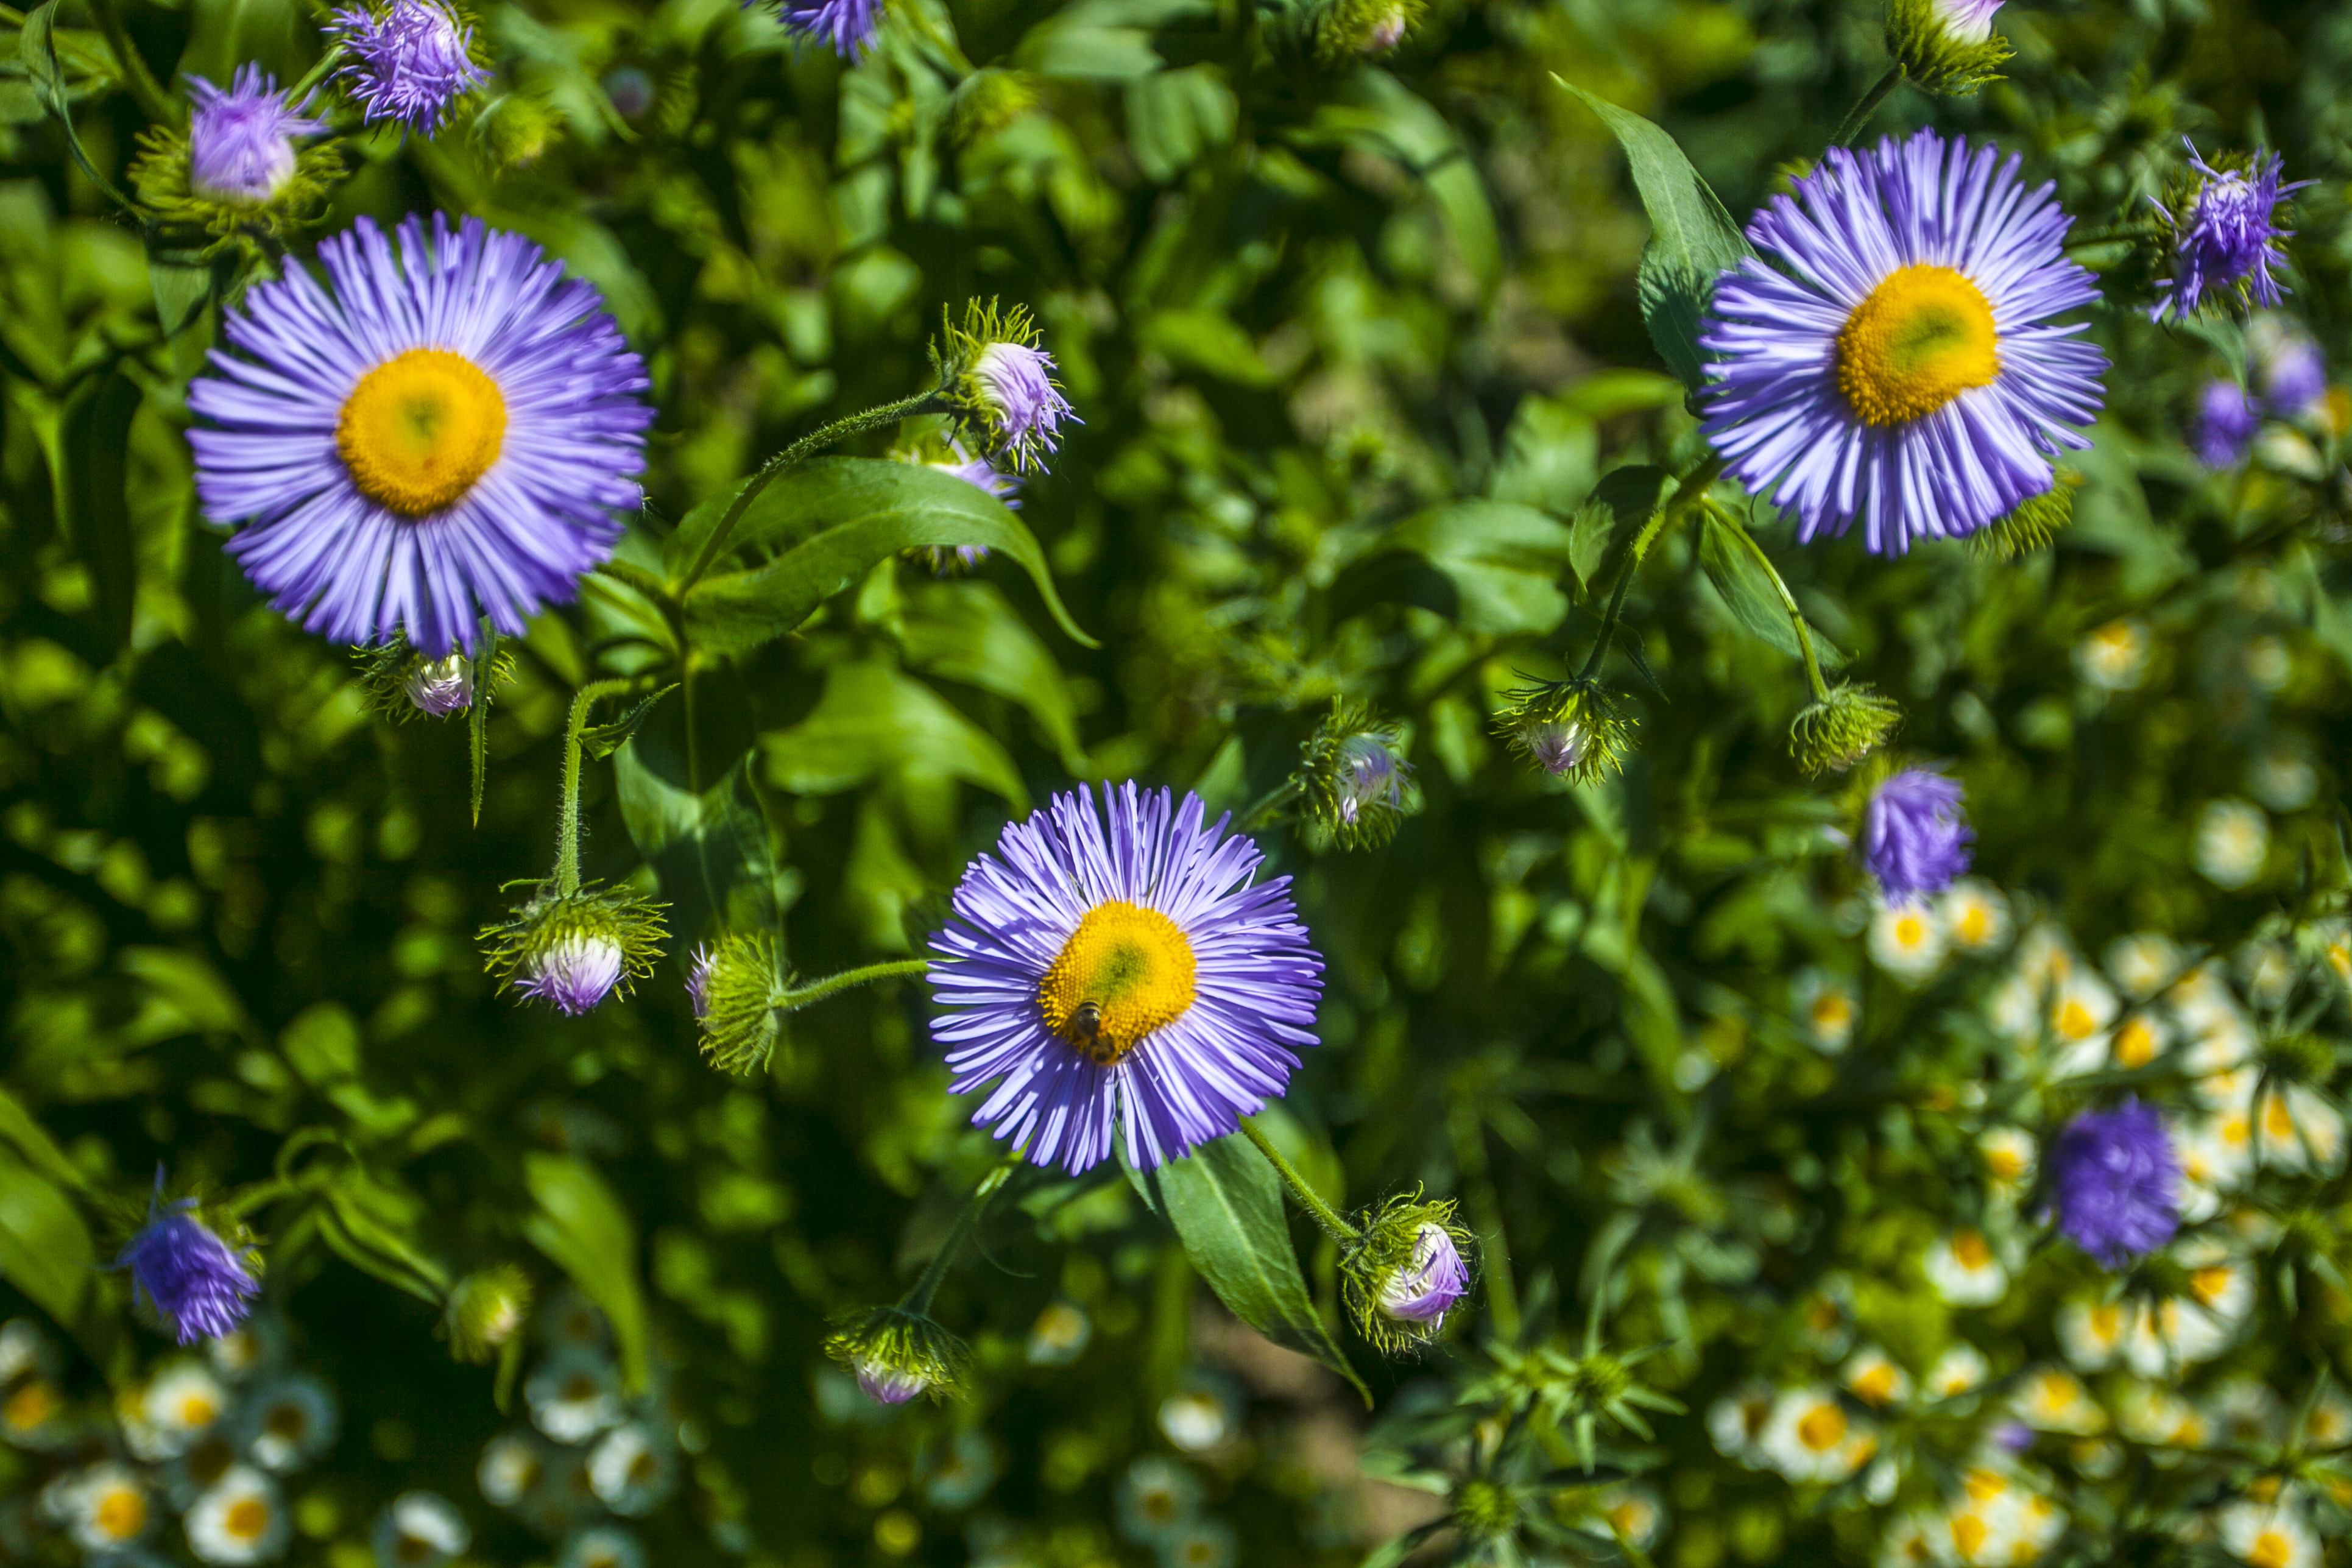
{"x": 420, "y": 429}
{"x": 1124, "y": 972}
{"x": 1925, "y": 335}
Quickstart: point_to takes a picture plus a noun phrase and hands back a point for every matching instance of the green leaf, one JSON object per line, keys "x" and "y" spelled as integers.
{"x": 32, "y": 1141}
{"x": 584, "y": 1231}
{"x": 1749, "y": 591}
{"x": 97, "y": 445}
{"x": 372, "y": 1225}
{"x": 873, "y": 720}
{"x": 1608, "y": 523}
{"x": 1491, "y": 566}
{"x": 1226, "y": 1205}
{"x": 44, "y": 1247}
{"x": 965, "y": 631}
{"x": 603, "y": 740}
{"x": 1692, "y": 241}
{"x": 182, "y": 282}
{"x": 1208, "y": 342}
{"x": 833, "y": 520}
{"x": 1172, "y": 117}
{"x": 711, "y": 851}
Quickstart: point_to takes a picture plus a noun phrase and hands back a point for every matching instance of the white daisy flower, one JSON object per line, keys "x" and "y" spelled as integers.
{"x": 1907, "y": 941}
{"x": 1964, "y": 1270}
{"x": 511, "y": 1464}
{"x": 2143, "y": 965}
{"x": 1974, "y": 915}
{"x": 631, "y": 1472}
{"x": 2268, "y": 1535}
{"x": 2113, "y": 657}
{"x": 106, "y": 1508}
{"x": 1960, "y": 1370}
{"x": 2052, "y": 1399}
{"x": 1871, "y": 1375}
{"x": 2009, "y": 1156}
{"x": 239, "y": 1521}
{"x": 290, "y": 1421}
{"x": 1809, "y": 1436}
{"x": 2091, "y": 1332}
{"x": 419, "y": 1530}
{"x": 573, "y": 1396}
{"x": 2153, "y": 1415}
{"x": 2329, "y": 1424}
{"x": 1826, "y": 1009}
{"x": 2295, "y": 1130}
{"x": 180, "y": 1404}
{"x": 1633, "y": 1510}
{"x": 2244, "y": 1410}
{"x": 2234, "y": 839}
{"x": 1735, "y": 1422}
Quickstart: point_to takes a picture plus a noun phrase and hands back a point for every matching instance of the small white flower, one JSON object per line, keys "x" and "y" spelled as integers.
{"x": 511, "y": 1464}
{"x": 1964, "y": 1270}
{"x": 2143, "y": 965}
{"x": 2052, "y": 1399}
{"x": 1959, "y": 1371}
{"x": 2007, "y": 1153}
{"x": 1736, "y": 1421}
{"x": 1196, "y": 1420}
{"x": 2268, "y": 1535}
{"x": 2152, "y": 1414}
{"x": 2294, "y": 1129}
{"x": 2233, "y": 838}
{"x": 2244, "y": 1411}
{"x": 573, "y": 1396}
{"x": 106, "y": 1508}
{"x": 1975, "y": 915}
{"x": 2329, "y": 1424}
{"x": 239, "y": 1520}
{"x": 1809, "y": 1436}
{"x": 180, "y": 1404}
{"x": 2091, "y": 1332}
{"x": 1633, "y": 1510}
{"x": 419, "y": 1530}
{"x": 632, "y": 1474}
{"x": 2113, "y": 657}
{"x": 2282, "y": 778}
{"x": 1825, "y": 1008}
{"x": 1907, "y": 941}
{"x": 1871, "y": 1375}
{"x": 291, "y": 1422}
{"x": 1060, "y": 1334}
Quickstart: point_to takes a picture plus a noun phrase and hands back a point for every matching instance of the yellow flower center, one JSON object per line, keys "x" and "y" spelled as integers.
{"x": 246, "y": 1519}
{"x": 2272, "y": 1548}
{"x": 420, "y": 429}
{"x": 2208, "y": 1285}
{"x": 1124, "y": 972}
{"x": 29, "y": 1406}
{"x": 1821, "y": 1429}
{"x": 1968, "y": 1246}
{"x": 2136, "y": 1043}
{"x": 195, "y": 1410}
{"x": 121, "y": 1514}
{"x": 1924, "y": 336}
{"x": 1969, "y": 1534}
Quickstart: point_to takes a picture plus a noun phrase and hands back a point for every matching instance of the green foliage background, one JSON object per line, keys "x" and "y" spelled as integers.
{"x": 1353, "y": 347}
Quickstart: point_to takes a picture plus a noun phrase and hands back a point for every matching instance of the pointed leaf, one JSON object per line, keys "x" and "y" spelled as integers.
{"x": 584, "y": 1231}
{"x": 96, "y": 441}
{"x": 44, "y": 1249}
{"x": 604, "y": 740}
{"x": 1750, "y": 591}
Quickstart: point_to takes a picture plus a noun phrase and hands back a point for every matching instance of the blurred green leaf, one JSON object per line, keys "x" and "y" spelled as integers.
{"x": 711, "y": 851}
{"x": 965, "y": 631}
{"x": 584, "y": 1230}
{"x": 96, "y": 443}
{"x": 873, "y": 720}
{"x": 603, "y": 740}
{"x": 1493, "y": 566}
{"x": 1746, "y": 589}
{"x": 44, "y": 1249}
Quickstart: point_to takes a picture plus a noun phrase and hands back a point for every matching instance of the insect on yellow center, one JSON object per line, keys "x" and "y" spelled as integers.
{"x": 420, "y": 429}
{"x": 1925, "y": 335}
{"x": 1124, "y": 972}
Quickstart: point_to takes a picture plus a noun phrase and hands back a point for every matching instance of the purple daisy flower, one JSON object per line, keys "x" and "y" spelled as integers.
{"x": 196, "y": 1284}
{"x": 411, "y": 60}
{"x": 2117, "y": 1183}
{"x": 1133, "y": 976}
{"x": 847, "y": 26}
{"x": 1425, "y": 1292}
{"x": 2229, "y": 236}
{"x": 2223, "y": 431}
{"x": 241, "y": 142}
{"x": 446, "y": 435}
{"x": 1914, "y": 839}
{"x": 1888, "y": 355}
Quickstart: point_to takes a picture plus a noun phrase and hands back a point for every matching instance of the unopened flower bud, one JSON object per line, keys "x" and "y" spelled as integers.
{"x": 897, "y": 1354}
{"x": 1945, "y": 45}
{"x": 1355, "y": 29}
{"x": 1406, "y": 1269}
{"x": 1573, "y": 730}
{"x": 442, "y": 687}
{"x": 1002, "y": 383}
{"x": 1353, "y": 774}
{"x": 1839, "y": 729}
{"x": 485, "y": 1311}
{"x": 571, "y": 951}
{"x": 401, "y": 683}
{"x": 735, "y": 984}
{"x": 2033, "y": 523}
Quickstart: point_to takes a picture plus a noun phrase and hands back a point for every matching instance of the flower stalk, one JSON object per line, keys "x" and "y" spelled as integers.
{"x": 1323, "y": 1214}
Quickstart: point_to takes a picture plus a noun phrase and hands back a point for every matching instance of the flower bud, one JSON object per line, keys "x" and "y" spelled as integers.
{"x": 1842, "y": 729}
{"x": 991, "y": 100}
{"x": 1573, "y": 730}
{"x": 897, "y": 1354}
{"x": 235, "y": 167}
{"x": 1356, "y": 781}
{"x": 1002, "y": 385}
{"x": 401, "y": 683}
{"x": 1404, "y": 1271}
{"x": 1945, "y": 45}
{"x": 2223, "y": 230}
{"x": 571, "y": 951}
{"x": 198, "y": 1285}
{"x": 485, "y": 1311}
{"x": 2032, "y": 522}
{"x": 735, "y": 984}
{"x": 515, "y": 130}
{"x": 1355, "y": 29}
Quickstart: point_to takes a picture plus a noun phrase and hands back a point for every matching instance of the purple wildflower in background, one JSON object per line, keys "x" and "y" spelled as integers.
{"x": 574, "y": 973}
{"x": 446, "y": 435}
{"x": 411, "y": 62}
{"x": 196, "y": 1284}
{"x": 1425, "y": 1292}
{"x": 1888, "y": 355}
{"x": 2116, "y": 1181}
{"x": 1914, "y": 839}
{"x": 1123, "y": 974}
{"x": 2291, "y": 369}
{"x": 2228, "y": 237}
{"x": 847, "y": 26}
{"x": 241, "y": 141}
{"x": 2223, "y": 431}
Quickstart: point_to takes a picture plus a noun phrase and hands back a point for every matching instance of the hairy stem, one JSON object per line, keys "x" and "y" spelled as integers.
{"x": 818, "y": 990}
{"x": 919, "y": 1298}
{"x": 1862, "y": 112}
{"x": 808, "y": 446}
{"x": 1788, "y": 602}
{"x": 567, "y": 821}
{"x": 1691, "y": 491}
{"x": 1323, "y": 1214}
{"x": 1269, "y": 803}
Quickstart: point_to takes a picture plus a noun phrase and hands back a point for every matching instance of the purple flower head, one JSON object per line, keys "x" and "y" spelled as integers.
{"x": 2015, "y": 1436}
{"x": 848, "y": 25}
{"x": 2293, "y": 371}
{"x": 2223, "y": 432}
{"x": 1371, "y": 776}
{"x": 1967, "y": 21}
{"x": 446, "y": 436}
{"x": 983, "y": 475}
{"x": 1914, "y": 839}
{"x": 2228, "y": 236}
{"x": 438, "y": 687}
{"x": 2116, "y": 1181}
{"x": 697, "y": 980}
{"x": 1426, "y": 1289}
{"x": 241, "y": 142}
{"x": 196, "y": 1284}
{"x": 574, "y": 972}
{"x": 887, "y": 1384}
{"x": 1015, "y": 385}
{"x": 1123, "y": 976}
{"x": 1892, "y": 355}
{"x": 411, "y": 62}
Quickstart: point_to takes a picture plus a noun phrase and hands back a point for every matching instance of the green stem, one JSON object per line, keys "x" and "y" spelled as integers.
{"x": 1689, "y": 492}
{"x": 919, "y": 1299}
{"x": 1274, "y": 800}
{"x": 567, "y": 821}
{"x": 1788, "y": 602}
{"x": 315, "y": 75}
{"x": 2119, "y": 235}
{"x": 1868, "y": 106}
{"x": 818, "y": 990}
{"x": 145, "y": 89}
{"x": 1323, "y": 1214}
{"x": 815, "y": 441}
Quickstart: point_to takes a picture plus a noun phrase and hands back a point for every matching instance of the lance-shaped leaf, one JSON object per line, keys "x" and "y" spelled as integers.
{"x": 603, "y": 740}
{"x": 1225, "y": 1201}
{"x": 44, "y": 1249}
{"x": 1752, "y": 591}
{"x": 829, "y": 523}
{"x": 1692, "y": 241}
{"x": 585, "y": 1232}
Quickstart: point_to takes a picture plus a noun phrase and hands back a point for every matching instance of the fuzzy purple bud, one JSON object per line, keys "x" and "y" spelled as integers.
{"x": 887, "y": 1384}
{"x": 439, "y": 687}
{"x": 1015, "y": 383}
{"x": 1370, "y": 775}
{"x": 1914, "y": 839}
{"x": 2117, "y": 1182}
{"x": 697, "y": 980}
{"x": 1425, "y": 1292}
{"x": 848, "y": 25}
{"x": 2226, "y": 423}
{"x": 2228, "y": 236}
{"x": 411, "y": 62}
{"x": 195, "y": 1283}
{"x": 574, "y": 972}
{"x": 241, "y": 141}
